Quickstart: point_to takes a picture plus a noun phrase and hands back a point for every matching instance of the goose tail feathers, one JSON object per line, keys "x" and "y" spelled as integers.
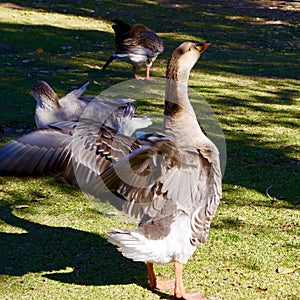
{"x": 132, "y": 245}
{"x": 108, "y": 62}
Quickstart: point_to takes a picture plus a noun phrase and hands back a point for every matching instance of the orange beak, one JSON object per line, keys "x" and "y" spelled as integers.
{"x": 202, "y": 46}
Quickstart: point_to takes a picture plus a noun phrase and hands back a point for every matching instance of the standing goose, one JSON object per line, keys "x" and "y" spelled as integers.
{"x": 137, "y": 44}
{"x": 50, "y": 108}
{"x": 172, "y": 183}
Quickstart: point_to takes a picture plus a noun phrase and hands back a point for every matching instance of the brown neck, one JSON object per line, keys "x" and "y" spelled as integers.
{"x": 176, "y": 92}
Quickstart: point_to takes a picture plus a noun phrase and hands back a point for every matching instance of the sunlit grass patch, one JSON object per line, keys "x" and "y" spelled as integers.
{"x": 34, "y": 17}
{"x": 53, "y": 239}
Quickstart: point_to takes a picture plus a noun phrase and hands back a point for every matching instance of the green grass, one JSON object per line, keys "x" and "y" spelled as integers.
{"x": 53, "y": 240}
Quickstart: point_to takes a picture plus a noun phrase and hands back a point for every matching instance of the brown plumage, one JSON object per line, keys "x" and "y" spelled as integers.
{"x": 52, "y": 149}
{"x": 171, "y": 181}
{"x": 137, "y": 44}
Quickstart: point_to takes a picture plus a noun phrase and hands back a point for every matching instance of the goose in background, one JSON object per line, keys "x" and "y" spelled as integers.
{"x": 49, "y": 150}
{"x": 137, "y": 44}
{"x": 117, "y": 114}
{"x": 50, "y": 108}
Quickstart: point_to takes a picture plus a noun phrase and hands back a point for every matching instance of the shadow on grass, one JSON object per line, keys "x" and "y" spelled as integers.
{"x": 257, "y": 167}
{"x": 251, "y": 37}
{"x": 44, "y": 248}
{"x": 245, "y": 40}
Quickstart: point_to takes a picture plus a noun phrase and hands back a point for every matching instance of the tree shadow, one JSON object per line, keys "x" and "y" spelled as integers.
{"x": 247, "y": 34}
{"x": 248, "y": 38}
{"x": 256, "y": 166}
{"x": 48, "y": 249}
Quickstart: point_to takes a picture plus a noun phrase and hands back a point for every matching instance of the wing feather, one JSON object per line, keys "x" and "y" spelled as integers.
{"x": 34, "y": 154}
{"x": 147, "y": 43}
{"x": 155, "y": 174}
{"x": 78, "y": 151}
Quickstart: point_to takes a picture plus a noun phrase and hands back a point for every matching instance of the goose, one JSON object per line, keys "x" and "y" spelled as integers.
{"x": 117, "y": 114}
{"x": 50, "y": 108}
{"x": 137, "y": 44}
{"x": 48, "y": 150}
{"x": 171, "y": 183}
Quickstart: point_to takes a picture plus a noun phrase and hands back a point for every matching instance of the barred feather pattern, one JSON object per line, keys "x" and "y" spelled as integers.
{"x": 201, "y": 218}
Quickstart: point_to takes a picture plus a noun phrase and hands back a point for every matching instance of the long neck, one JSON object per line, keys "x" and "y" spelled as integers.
{"x": 179, "y": 117}
{"x": 177, "y": 99}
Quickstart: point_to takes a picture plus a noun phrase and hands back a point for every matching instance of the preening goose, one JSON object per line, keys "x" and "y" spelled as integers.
{"x": 50, "y": 108}
{"x": 50, "y": 150}
{"x": 118, "y": 114}
{"x": 172, "y": 182}
{"x": 137, "y": 44}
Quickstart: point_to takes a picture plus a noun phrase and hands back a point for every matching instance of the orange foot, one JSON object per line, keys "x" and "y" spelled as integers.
{"x": 159, "y": 283}
{"x": 138, "y": 77}
{"x": 192, "y": 296}
{"x": 163, "y": 284}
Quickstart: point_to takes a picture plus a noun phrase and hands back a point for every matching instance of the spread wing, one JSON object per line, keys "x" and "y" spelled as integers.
{"x": 77, "y": 151}
{"x": 42, "y": 152}
{"x": 158, "y": 179}
{"x": 94, "y": 149}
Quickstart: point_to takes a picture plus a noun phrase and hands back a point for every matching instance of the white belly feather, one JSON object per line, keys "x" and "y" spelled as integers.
{"x": 175, "y": 246}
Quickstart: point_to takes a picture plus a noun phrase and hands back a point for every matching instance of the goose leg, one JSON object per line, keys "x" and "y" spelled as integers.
{"x": 179, "y": 291}
{"x": 135, "y": 74}
{"x": 147, "y": 72}
{"x": 158, "y": 283}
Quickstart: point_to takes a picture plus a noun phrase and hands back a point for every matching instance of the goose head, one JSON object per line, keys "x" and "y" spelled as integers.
{"x": 183, "y": 59}
{"x": 44, "y": 95}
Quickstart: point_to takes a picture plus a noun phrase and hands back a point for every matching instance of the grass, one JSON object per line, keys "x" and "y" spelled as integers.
{"x": 53, "y": 242}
